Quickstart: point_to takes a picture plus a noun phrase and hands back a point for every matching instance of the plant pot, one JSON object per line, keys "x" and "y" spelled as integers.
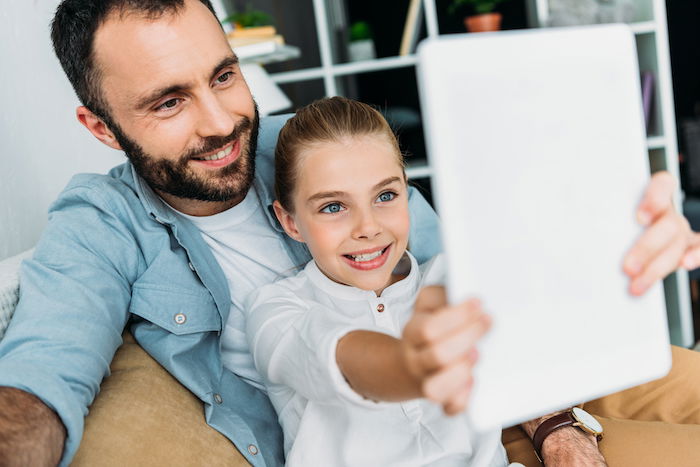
{"x": 483, "y": 23}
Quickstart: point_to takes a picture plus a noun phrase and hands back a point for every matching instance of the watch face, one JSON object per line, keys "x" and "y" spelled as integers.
{"x": 587, "y": 420}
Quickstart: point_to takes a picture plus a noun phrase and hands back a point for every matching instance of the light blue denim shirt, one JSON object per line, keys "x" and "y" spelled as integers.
{"x": 113, "y": 255}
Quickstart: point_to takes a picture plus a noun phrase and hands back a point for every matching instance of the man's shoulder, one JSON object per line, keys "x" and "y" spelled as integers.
{"x": 114, "y": 189}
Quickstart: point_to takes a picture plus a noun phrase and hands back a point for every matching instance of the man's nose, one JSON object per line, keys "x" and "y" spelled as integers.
{"x": 214, "y": 119}
{"x": 367, "y": 226}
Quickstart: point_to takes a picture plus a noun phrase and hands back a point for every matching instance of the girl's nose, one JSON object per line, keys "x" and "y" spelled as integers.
{"x": 367, "y": 225}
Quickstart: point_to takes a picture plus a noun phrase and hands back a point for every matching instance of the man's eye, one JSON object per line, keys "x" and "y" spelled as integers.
{"x": 224, "y": 77}
{"x": 332, "y": 208}
{"x": 169, "y": 104}
{"x": 386, "y": 196}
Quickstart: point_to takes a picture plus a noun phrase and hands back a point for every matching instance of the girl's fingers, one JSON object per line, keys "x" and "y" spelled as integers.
{"x": 691, "y": 259}
{"x": 657, "y": 198}
{"x": 456, "y": 346}
{"x": 426, "y": 327}
{"x": 460, "y": 401}
{"x": 667, "y": 236}
{"x": 658, "y": 268}
{"x": 445, "y": 384}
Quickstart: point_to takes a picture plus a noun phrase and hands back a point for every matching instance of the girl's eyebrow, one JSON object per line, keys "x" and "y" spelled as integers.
{"x": 386, "y": 182}
{"x": 325, "y": 194}
{"x": 339, "y": 194}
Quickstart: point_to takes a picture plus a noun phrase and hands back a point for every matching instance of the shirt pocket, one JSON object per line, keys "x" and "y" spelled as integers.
{"x": 175, "y": 310}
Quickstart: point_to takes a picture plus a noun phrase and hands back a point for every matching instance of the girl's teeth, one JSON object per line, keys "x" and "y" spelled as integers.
{"x": 367, "y": 257}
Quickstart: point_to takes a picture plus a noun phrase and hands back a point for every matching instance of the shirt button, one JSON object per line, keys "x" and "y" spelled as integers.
{"x": 380, "y": 308}
{"x": 191, "y": 266}
{"x": 218, "y": 399}
{"x": 180, "y": 318}
{"x": 253, "y": 449}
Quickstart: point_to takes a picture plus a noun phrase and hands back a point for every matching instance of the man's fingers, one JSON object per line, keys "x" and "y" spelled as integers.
{"x": 657, "y": 198}
{"x": 431, "y": 298}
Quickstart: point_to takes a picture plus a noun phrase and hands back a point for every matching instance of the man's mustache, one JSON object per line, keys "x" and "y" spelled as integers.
{"x": 213, "y": 143}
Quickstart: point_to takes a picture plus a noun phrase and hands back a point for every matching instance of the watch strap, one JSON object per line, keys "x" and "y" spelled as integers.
{"x": 548, "y": 426}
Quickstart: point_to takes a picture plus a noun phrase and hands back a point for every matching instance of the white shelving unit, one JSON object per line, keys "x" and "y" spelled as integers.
{"x": 651, "y": 32}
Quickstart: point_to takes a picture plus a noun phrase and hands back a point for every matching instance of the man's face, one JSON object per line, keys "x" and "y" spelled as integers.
{"x": 181, "y": 109}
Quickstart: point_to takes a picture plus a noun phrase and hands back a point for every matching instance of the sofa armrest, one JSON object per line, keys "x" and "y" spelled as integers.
{"x": 9, "y": 288}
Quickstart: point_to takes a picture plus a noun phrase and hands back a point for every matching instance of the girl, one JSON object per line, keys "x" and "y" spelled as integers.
{"x": 340, "y": 336}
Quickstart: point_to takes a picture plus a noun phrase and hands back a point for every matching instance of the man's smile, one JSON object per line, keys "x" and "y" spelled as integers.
{"x": 221, "y": 157}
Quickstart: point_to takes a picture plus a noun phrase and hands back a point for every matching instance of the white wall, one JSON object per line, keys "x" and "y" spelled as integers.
{"x": 41, "y": 142}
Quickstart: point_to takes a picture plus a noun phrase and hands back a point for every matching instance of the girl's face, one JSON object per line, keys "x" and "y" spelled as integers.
{"x": 351, "y": 209}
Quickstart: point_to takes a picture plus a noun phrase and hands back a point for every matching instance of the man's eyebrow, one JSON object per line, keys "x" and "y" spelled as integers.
{"x": 162, "y": 92}
{"x": 224, "y": 63}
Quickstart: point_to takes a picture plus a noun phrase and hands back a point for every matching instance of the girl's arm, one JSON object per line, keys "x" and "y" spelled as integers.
{"x": 433, "y": 358}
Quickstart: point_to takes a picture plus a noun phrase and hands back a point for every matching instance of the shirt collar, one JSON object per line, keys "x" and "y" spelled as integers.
{"x": 407, "y": 285}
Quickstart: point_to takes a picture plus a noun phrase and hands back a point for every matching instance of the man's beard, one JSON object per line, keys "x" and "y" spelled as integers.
{"x": 176, "y": 178}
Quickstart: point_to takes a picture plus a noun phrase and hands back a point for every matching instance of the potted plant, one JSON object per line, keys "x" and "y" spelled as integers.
{"x": 360, "y": 44}
{"x": 483, "y": 19}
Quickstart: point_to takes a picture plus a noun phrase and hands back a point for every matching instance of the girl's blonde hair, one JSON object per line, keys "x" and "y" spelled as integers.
{"x": 326, "y": 120}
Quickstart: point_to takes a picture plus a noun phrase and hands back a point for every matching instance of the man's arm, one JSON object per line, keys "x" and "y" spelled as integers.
{"x": 32, "y": 433}
{"x": 567, "y": 447}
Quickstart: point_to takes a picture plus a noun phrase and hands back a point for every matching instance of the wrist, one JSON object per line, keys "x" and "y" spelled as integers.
{"x": 568, "y": 442}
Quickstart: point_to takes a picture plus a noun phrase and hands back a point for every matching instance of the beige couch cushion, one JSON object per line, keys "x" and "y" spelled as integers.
{"x": 144, "y": 417}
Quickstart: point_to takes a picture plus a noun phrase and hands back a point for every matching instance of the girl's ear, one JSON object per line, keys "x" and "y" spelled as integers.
{"x": 287, "y": 221}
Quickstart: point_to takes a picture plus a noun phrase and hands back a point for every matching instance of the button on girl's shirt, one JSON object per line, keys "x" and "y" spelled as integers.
{"x": 380, "y": 308}
{"x": 180, "y": 318}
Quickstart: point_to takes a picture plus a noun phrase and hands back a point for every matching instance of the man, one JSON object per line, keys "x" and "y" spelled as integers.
{"x": 159, "y": 81}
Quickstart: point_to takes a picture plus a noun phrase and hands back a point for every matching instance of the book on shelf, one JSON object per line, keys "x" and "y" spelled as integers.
{"x": 257, "y": 31}
{"x": 647, "y": 81}
{"x": 246, "y": 47}
{"x": 411, "y": 28}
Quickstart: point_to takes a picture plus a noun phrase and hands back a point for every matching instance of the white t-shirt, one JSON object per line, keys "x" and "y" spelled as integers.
{"x": 251, "y": 254}
{"x": 293, "y": 328}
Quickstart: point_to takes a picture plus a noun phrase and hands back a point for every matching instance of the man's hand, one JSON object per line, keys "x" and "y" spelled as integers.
{"x": 438, "y": 347}
{"x": 567, "y": 447}
{"x": 667, "y": 241}
{"x": 30, "y": 432}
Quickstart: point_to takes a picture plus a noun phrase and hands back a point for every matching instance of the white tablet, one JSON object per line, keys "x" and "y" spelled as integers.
{"x": 538, "y": 147}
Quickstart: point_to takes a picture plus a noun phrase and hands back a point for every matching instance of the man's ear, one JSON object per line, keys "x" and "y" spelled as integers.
{"x": 97, "y": 127}
{"x": 287, "y": 221}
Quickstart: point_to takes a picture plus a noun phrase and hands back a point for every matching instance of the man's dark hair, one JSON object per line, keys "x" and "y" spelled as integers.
{"x": 73, "y": 35}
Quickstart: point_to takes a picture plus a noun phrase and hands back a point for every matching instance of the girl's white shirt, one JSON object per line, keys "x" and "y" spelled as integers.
{"x": 293, "y": 327}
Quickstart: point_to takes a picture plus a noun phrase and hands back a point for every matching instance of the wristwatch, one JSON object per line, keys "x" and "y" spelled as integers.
{"x": 574, "y": 417}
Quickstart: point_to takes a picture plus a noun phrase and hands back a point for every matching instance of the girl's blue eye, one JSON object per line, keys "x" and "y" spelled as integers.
{"x": 386, "y": 196}
{"x": 332, "y": 208}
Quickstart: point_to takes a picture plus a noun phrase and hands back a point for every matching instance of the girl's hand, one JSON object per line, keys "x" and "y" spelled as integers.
{"x": 438, "y": 347}
{"x": 667, "y": 242}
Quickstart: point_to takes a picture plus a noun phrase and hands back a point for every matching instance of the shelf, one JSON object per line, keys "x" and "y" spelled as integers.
{"x": 656, "y": 142}
{"x": 419, "y": 169}
{"x": 342, "y": 69}
{"x": 644, "y": 27}
{"x": 281, "y": 54}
